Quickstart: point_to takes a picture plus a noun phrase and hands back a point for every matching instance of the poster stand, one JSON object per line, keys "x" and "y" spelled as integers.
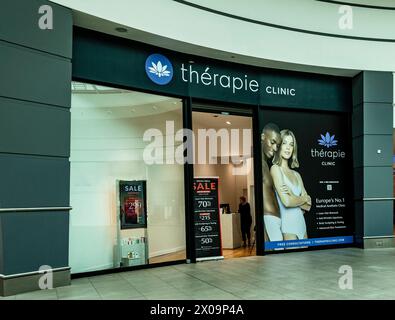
{"x": 207, "y": 222}
{"x": 131, "y": 248}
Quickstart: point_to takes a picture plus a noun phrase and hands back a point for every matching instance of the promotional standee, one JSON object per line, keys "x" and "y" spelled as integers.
{"x": 132, "y": 230}
{"x": 206, "y": 218}
{"x": 306, "y": 186}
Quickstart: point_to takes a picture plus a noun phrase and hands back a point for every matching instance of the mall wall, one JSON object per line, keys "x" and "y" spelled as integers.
{"x": 106, "y": 147}
{"x": 35, "y": 95}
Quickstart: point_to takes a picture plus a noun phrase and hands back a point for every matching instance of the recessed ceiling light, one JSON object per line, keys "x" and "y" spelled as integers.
{"x": 121, "y": 29}
{"x": 228, "y": 122}
{"x": 155, "y": 107}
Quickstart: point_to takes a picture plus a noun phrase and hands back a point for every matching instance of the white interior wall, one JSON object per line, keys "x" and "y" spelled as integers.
{"x": 106, "y": 147}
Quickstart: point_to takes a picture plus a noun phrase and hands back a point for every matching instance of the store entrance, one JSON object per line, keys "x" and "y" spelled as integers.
{"x": 223, "y": 150}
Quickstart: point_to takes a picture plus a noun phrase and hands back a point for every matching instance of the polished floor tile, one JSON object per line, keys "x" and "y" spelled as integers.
{"x": 314, "y": 275}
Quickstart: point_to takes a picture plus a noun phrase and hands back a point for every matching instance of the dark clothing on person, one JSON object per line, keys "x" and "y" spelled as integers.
{"x": 245, "y": 220}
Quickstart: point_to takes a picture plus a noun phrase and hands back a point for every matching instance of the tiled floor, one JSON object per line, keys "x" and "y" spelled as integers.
{"x": 297, "y": 275}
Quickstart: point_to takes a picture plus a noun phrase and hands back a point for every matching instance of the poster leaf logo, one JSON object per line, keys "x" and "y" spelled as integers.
{"x": 327, "y": 140}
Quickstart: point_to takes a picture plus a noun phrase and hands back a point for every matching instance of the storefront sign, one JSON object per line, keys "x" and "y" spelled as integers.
{"x": 133, "y": 204}
{"x": 306, "y": 180}
{"x": 206, "y": 217}
{"x": 139, "y": 66}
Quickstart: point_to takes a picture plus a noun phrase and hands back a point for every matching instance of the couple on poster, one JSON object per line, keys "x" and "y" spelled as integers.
{"x": 285, "y": 199}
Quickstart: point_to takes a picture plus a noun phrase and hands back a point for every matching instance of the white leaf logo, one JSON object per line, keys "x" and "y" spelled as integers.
{"x": 159, "y": 69}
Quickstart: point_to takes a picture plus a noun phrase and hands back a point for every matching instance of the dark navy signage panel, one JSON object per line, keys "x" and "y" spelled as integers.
{"x": 306, "y": 91}
{"x": 118, "y": 62}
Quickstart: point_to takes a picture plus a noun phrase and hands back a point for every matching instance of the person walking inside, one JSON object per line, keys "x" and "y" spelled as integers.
{"x": 245, "y": 220}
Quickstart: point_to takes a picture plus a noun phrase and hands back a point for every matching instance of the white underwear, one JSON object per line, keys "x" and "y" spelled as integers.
{"x": 293, "y": 222}
{"x": 273, "y": 227}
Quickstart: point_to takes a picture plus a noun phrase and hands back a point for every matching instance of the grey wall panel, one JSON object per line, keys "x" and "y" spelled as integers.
{"x": 357, "y": 149}
{"x": 378, "y": 182}
{"x": 31, "y": 128}
{"x": 373, "y": 143}
{"x": 33, "y": 181}
{"x": 378, "y": 118}
{"x": 377, "y": 221}
{"x": 34, "y": 76}
{"x": 372, "y": 131}
{"x": 19, "y": 25}
{"x": 1, "y": 249}
{"x": 358, "y": 183}
{"x": 34, "y": 239}
{"x": 378, "y": 87}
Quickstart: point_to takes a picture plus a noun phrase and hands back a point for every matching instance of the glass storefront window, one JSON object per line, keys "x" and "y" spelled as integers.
{"x": 107, "y": 152}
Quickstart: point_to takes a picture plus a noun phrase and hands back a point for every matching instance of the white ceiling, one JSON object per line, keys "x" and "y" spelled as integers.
{"x": 218, "y": 121}
{"x": 376, "y": 3}
{"x": 105, "y": 102}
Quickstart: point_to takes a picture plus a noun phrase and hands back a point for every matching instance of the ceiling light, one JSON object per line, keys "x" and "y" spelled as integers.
{"x": 121, "y": 29}
{"x": 228, "y": 122}
{"x": 155, "y": 107}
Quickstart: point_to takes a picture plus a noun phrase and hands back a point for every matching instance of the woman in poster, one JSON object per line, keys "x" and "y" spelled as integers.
{"x": 294, "y": 201}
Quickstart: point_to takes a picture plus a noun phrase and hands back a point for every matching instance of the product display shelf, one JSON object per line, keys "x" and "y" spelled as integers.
{"x": 133, "y": 254}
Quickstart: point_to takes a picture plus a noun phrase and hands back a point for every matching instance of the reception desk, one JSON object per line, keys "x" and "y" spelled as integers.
{"x": 230, "y": 231}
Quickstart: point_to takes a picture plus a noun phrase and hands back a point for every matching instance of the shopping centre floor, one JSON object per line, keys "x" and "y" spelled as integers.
{"x": 296, "y": 275}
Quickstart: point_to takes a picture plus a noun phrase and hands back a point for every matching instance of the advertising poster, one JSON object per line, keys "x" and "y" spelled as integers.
{"x": 206, "y": 217}
{"x": 133, "y": 204}
{"x": 307, "y": 181}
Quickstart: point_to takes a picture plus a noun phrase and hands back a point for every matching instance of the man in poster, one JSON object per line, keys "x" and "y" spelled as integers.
{"x": 271, "y": 140}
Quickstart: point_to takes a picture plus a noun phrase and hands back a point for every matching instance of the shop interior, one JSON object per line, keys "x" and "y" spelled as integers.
{"x": 234, "y": 167}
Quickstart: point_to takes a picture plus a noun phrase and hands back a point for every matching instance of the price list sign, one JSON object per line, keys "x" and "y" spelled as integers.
{"x": 206, "y": 215}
